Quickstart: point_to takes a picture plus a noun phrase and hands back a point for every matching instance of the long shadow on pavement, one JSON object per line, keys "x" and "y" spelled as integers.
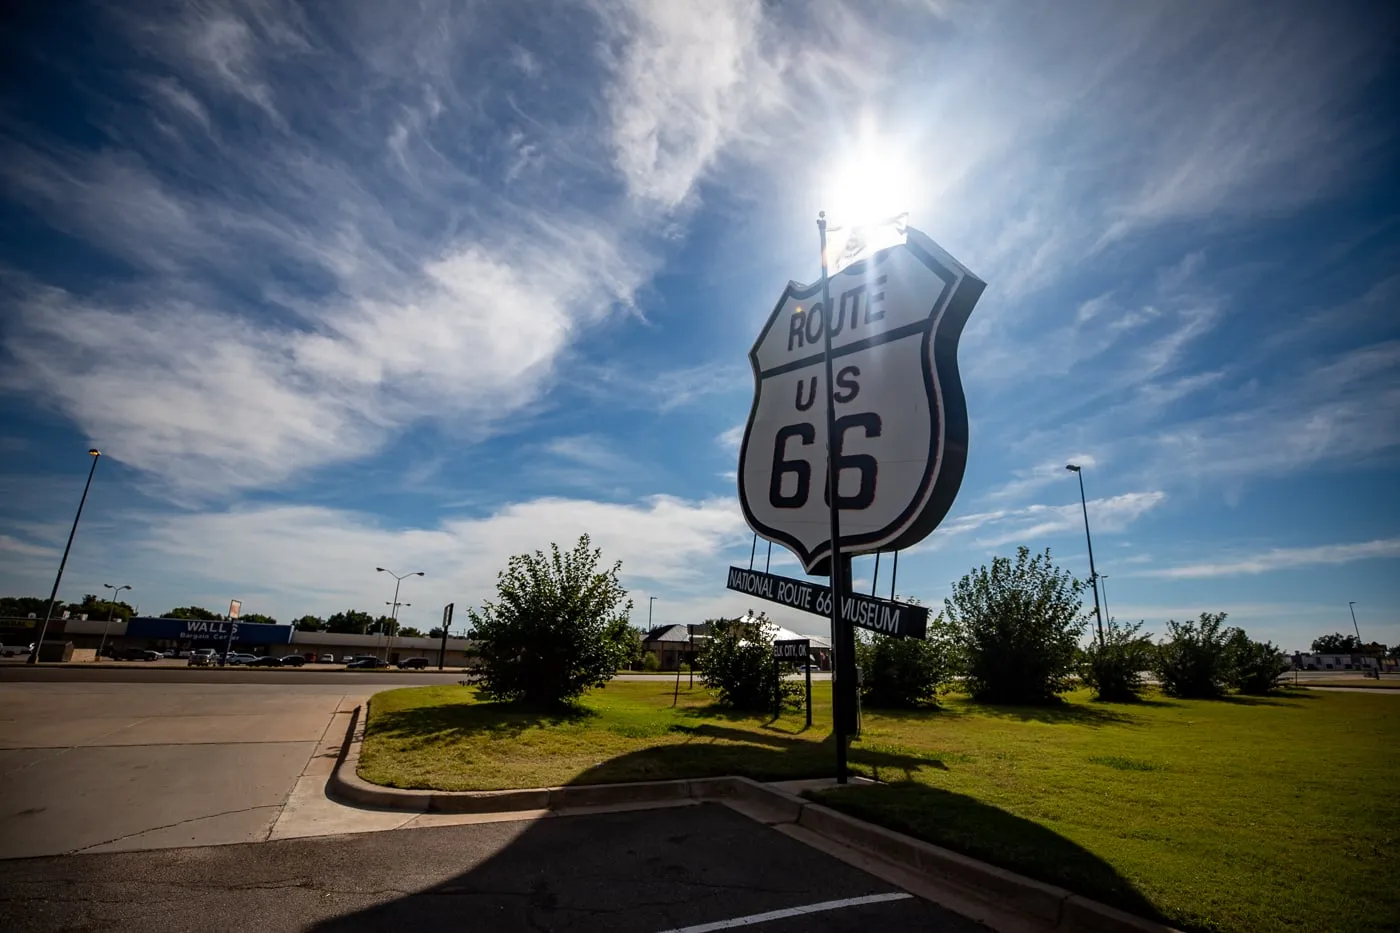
{"x": 659, "y": 869}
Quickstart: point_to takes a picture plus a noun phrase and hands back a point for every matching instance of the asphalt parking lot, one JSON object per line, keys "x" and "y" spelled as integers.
{"x": 692, "y": 868}
{"x": 164, "y": 805}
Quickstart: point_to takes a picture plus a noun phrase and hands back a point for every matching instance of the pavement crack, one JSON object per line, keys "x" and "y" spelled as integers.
{"x": 152, "y": 829}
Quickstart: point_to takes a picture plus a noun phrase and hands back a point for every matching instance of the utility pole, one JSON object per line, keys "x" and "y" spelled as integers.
{"x": 1093, "y": 574}
{"x": 96, "y": 455}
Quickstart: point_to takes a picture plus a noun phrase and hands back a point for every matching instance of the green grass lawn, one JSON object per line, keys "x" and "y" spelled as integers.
{"x": 1236, "y": 815}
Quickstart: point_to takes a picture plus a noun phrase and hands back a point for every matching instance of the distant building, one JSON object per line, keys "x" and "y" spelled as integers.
{"x": 1334, "y": 662}
{"x": 677, "y": 644}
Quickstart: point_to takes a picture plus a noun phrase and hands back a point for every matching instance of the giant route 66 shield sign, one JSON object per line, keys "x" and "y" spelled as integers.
{"x": 901, "y": 422}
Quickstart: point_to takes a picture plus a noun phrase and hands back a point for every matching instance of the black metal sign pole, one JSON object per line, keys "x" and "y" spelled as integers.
{"x": 808, "y": 668}
{"x": 842, "y": 635}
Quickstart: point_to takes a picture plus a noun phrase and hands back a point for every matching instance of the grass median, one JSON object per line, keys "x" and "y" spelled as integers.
{"x": 1241, "y": 814}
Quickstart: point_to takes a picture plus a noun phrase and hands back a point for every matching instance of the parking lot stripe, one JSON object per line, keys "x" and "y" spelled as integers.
{"x": 793, "y": 912}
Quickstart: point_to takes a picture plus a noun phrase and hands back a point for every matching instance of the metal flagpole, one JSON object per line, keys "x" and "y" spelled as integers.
{"x": 767, "y": 561}
{"x": 842, "y": 636}
{"x": 875, "y": 580}
{"x": 894, "y": 574}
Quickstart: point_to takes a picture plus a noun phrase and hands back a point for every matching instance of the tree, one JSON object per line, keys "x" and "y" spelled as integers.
{"x": 558, "y": 627}
{"x": 408, "y": 631}
{"x": 635, "y": 649}
{"x": 903, "y": 673}
{"x": 1336, "y": 643}
{"x": 97, "y": 608}
{"x": 349, "y": 622}
{"x": 1193, "y": 661}
{"x": 736, "y": 664}
{"x": 1253, "y": 666}
{"x": 1014, "y": 629}
{"x": 198, "y": 613}
{"x": 650, "y": 662}
{"x": 257, "y": 618}
{"x": 310, "y": 624}
{"x": 1114, "y": 668}
{"x": 22, "y": 606}
{"x": 435, "y": 631}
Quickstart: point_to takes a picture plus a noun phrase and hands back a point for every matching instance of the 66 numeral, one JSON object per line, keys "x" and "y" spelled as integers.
{"x": 801, "y": 470}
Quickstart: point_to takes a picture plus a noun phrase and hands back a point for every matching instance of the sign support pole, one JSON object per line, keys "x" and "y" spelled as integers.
{"x": 808, "y": 668}
{"x": 842, "y": 635}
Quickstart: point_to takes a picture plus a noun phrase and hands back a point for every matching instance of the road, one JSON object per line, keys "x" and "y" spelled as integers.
{"x": 178, "y": 672}
{"x": 161, "y": 805}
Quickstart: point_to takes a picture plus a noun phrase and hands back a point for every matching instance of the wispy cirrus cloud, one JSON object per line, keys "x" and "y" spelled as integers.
{"x": 1031, "y": 524}
{"x": 1274, "y": 559}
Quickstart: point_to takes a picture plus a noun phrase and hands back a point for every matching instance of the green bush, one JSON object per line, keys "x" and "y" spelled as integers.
{"x": 559, "y": 627}
{"x": 1114, "y": 668}
{"x": 1253, "y": 666}
{"x": 650, "y": 662}
{"x": 901, "y": 673}
{"x": 736, "y": 664}
{"x": 1014, "y": 629}
{"x": 1193, "y": 662}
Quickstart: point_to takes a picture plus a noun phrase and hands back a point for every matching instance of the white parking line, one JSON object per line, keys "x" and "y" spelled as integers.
{"x": 792, "y": 912}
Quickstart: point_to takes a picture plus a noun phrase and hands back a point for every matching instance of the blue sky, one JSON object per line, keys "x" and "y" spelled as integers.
{"x": 336, "y": 286}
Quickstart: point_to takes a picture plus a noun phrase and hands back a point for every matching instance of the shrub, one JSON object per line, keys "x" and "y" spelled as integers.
{"x": 1253, "y": 666}
{"x": 1014, "y": 629}
{"x": 1114, "y": 668}
{"x": 901, "y": 673}
{"x": 650, "y": 662}
{"x": 736, "y": 664}
{"x": 1193, "y": 661}
{"x": 559, "y": 627}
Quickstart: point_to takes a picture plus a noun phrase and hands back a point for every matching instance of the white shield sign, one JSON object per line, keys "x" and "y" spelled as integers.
{"x": 901, "y": 422}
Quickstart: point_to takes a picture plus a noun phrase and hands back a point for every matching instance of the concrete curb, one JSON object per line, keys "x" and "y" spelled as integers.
{"x": 1049, "y": 906}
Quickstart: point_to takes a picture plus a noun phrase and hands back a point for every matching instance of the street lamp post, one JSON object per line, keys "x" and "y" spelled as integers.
{"x": 1093, "y": 574}
{"x": 96, "y": 455}
{"x": 398, "y": 579}
{"x": 1108, "y": 615}
{"x": 651, "y": 602}
{"x": 111, "y": 610}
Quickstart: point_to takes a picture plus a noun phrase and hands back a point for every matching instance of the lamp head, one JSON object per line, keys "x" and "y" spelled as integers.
{"x": 418, "y": 574}
{"x": 1072, "y": 467}
{"x": 94, "y": 452}
{"x": 378, "y": 569}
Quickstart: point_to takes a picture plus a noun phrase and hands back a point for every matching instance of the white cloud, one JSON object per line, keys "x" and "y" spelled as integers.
{"x": 1046, "y": 473}
{"x": 1030, "y": 525}
{"x": 210, "y": 401}
{"x": 12, "y": 545}
{"x": 731, "y": 438}
{"x": 289, "y": 560}
{"x": 1283, "y": 559}
{"x": 686, "y": 78}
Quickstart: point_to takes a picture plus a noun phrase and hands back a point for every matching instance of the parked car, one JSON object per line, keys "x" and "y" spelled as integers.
{"x": 10, "y": 651}
{"x": 293, "y": 660}
{"x": 325, "y": 659}
{"x": 266, "y": 660}
{"x": 203, "y": 657}
{"x": 413, "y": 664}
{"x": 168, "y": 653}
{"x": 141, "y": 654}
{"x": 367, "y": 662}
{"x": 240, "y": 658}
